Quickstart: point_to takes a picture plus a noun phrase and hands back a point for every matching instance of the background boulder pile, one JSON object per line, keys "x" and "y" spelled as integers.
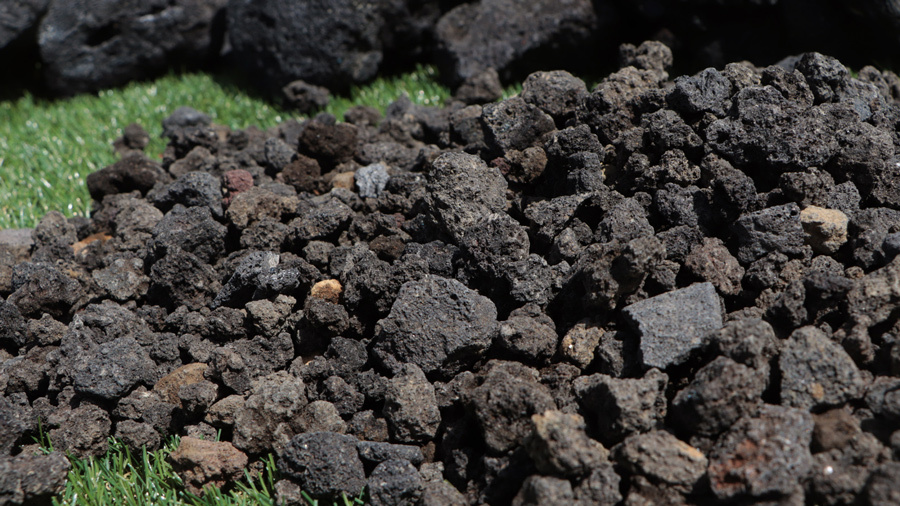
{"x": 74, "y": 46}
{"x": 656, "y": 291}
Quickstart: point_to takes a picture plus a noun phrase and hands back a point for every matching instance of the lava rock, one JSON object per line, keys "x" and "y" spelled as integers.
{"x": 119, "y": 42}
{"x": 33, "y": 479}
{"x": 437, "y": 324}
{"x": 410, "y": 407}
{"x": 559, "y": 445}
{"x": 466, "y": 35}
{"x": 668, "y": 334}
{"x": 816, "y": 372}
{"x": 773, "y": 229}
{"x": 202, "y": 463}
{"x": 325, "y": 44}
{"x": 270, "y": 414}
{"x": 324, "y": 464}
{"x": 508, "y": 390}
{"x": 639, "y": 404}
{"x": 762, "y": 455}
{"x": 306, "y": 98}
{"x": 721, "y": 392}
{"x": 394, "y": 482}
{"x": 662, "y": 458}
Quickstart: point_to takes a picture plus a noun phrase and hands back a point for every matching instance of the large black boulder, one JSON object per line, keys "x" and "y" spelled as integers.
{"x": 88, "y": 45}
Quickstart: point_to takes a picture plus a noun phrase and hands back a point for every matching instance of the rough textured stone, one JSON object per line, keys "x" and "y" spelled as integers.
{"x": 202, "y": 463}
{"x": 122, "y": 41}
{"x": 663, "y": 458}
{"x": 559, "y": 446}
{"x": 640, "y": 404}
{"x": 760, "y": 455}
{"x": 410, "y": 407}
{"x": 324, "y": 464}
{"x": 32, "y": 479}
{"x": 437, "y": 324}
{"x": 816, "y": 372}
{"x": 673, "y": 324}
{"x": 826, "y": 229}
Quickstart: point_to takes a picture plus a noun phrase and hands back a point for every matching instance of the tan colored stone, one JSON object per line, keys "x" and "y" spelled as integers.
{"x": 328, "y": 290}
{"x": 345, "y": 180}
{"x": 826, "y": 229}
{"x": 202, "y": 463}
{"x": 167, "y": 387}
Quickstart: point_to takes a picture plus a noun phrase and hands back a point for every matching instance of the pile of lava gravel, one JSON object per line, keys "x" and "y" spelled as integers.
{"x": 657, "y": 292}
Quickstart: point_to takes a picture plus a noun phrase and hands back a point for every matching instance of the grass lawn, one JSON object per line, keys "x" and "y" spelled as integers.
{"x": 48, "y": 147}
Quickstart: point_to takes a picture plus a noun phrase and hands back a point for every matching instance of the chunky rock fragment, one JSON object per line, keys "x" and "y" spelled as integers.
{"x": 639, "y": 404}
{"x": 826, "y": 229}
{"x": 437, "y": 324}
{"x": 816, "y": 372}
{"x": 410, "y": 407}
{"x": 559, "y": 445}
{"x": 202, "y": 463}
{"x": 674, "y": 324}
{"x": 324, "y": 464}
{"x": 760, "y": 455}
{"x": 663, "y": 458}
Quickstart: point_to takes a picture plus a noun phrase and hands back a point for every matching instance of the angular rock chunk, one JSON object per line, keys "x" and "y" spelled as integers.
{"x": 133, "y": 172}
{"x": 33, "y": 479}
{"x": 537, "y": 490}
{"x": 826, "y": 229}
{"x": 559, "y": 445}
{"x": 462, "y": 188}
{"x": 674, "y": 324}
{"x": 270, "y": 414}
{"x": 196, "y": 188}
{"x": 721, "y": 392}
{"x": 410, "y": 407}
{"x": 324, "y": 464}
{"x": 181, "y": 278}
{"x": 663, "y": 458}
{"x": 278, "y": 42}
{"x": 639, "y": 405}
{"x": 42, "y": 288}
{"x": 394, "y": 482}
{"x": 765, "y": 454}
{"x": 202, "y": 463}
{"x": 437, "y": 324}
{"x": 469, "y": 41}
{"x": 601, "y": 487}
{"x": 83, "y": 431}
{"x": 816, "y": 372}
{"x": 509, "y": 393}
{"x": 773, "y": 229}
{"x": 121, "y": 41}
{"x": 111, "y": 369}
{"x": 192, "y": 229}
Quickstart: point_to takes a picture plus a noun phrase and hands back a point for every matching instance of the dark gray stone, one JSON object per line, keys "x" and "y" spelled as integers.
{"x": 410, "y": 407}
{"x": 772, "y": 229}
{"x": 816, "y": 372}
{"x": 324, "y": 464}
{"x": 437, "y": 324}
{"x": 674, "y": 324}
{"x": 559, "y": 445}
{"x": 88, "y": 45}
{"x": 331, "y": 44}
{"x": 373, "y": 452}
{"x": 762, "y": 455}
{"x": 394, "y": 482}
{"x": 639, "y": 404}
{"x": 33, "y": 479}
{"x": 470, "y": 42}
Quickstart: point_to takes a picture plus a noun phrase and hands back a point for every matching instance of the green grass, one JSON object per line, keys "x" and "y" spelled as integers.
{"x": 123, "y": 478}
{"x": 48, "y": 147}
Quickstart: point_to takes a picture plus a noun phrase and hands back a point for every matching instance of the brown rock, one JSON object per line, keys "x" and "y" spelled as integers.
{"x": 834, "y": 429}
{"x": 711, "y": 261}
{"x": 345, "y": 180}
{"x": 200, "y": 463}
{"x": 328, "y": 290}
{"x": 167, "y": 388}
